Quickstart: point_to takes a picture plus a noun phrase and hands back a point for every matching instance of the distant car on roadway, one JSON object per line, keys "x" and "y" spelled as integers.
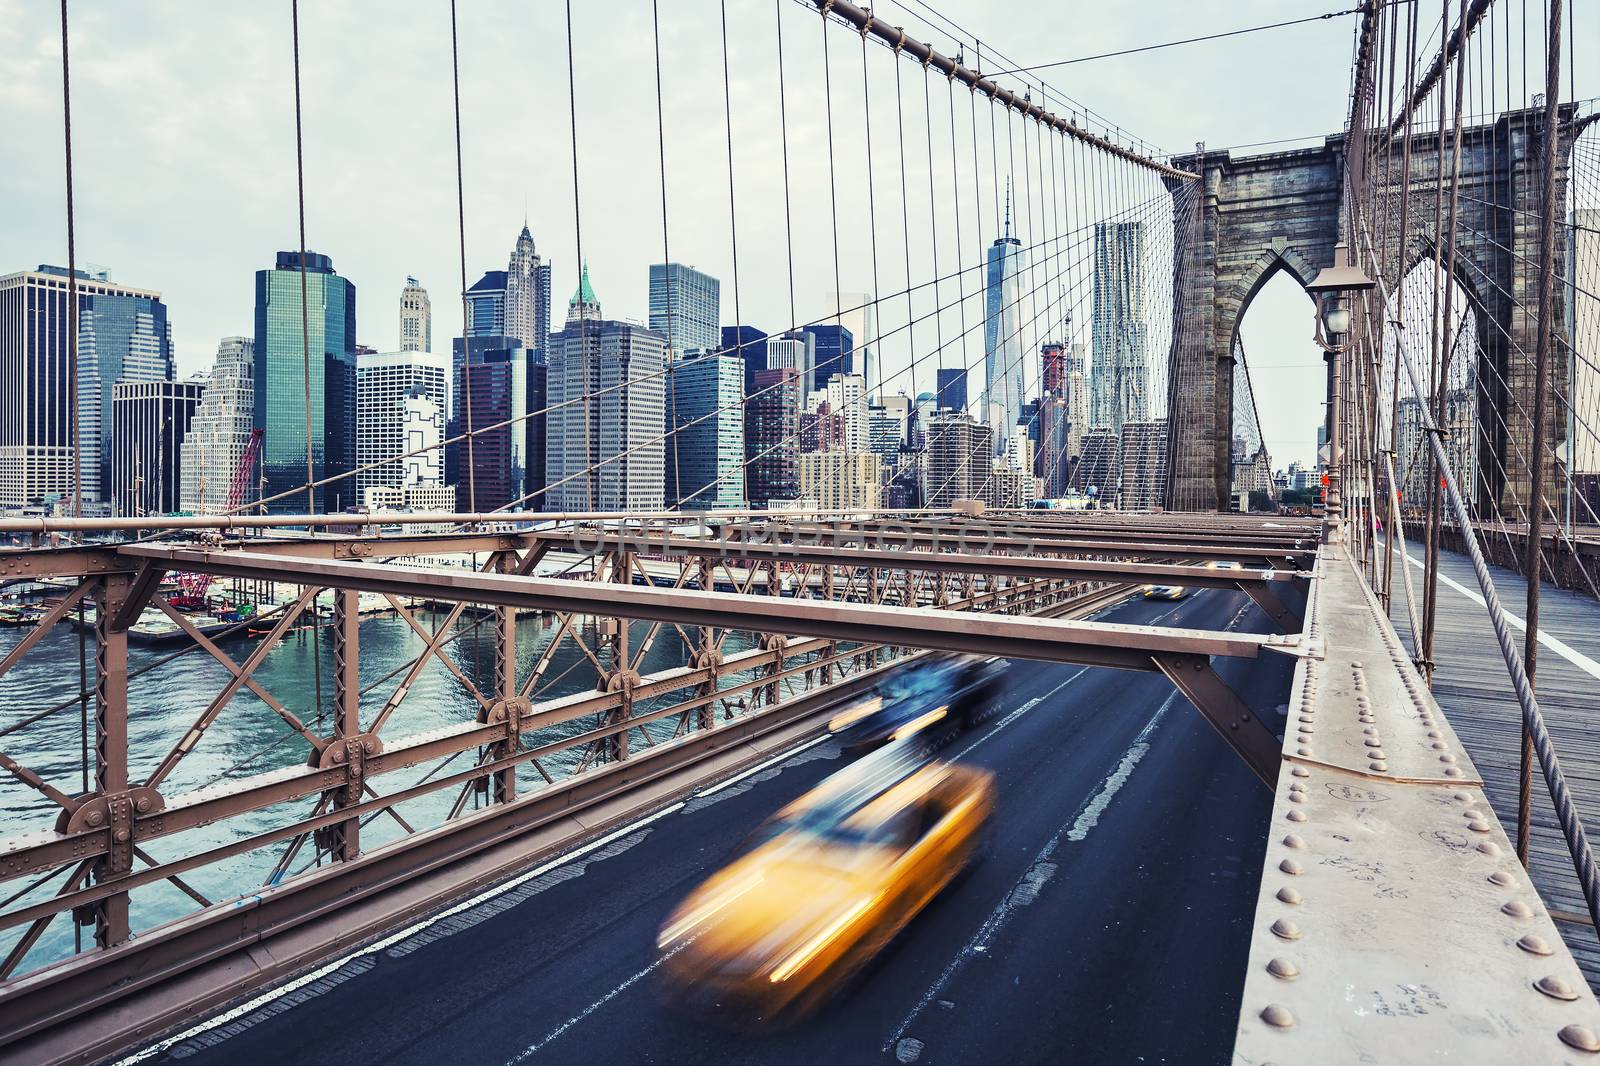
{"x": 1165, "y": 592}
{"x": 825, "y": 884}
{"x": 1224, "y": 564}
{"x": 918, "y": 697}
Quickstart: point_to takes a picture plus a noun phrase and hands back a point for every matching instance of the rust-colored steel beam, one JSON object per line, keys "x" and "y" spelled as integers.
{"x": 908, "y": 560}
{"x": 1085, "y": 643}
{"x": 1233, "y": 720}
{"x": 347, "y": 520}
{"x": 51, "y": 617}
{"x": 1002, "y": 542}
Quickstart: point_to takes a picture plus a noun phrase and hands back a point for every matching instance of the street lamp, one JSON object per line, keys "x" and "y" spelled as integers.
{"x": 1330, "y": 286}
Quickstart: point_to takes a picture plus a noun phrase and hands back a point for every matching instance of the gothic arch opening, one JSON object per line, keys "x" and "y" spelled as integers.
{"x": 1279, "y": 394}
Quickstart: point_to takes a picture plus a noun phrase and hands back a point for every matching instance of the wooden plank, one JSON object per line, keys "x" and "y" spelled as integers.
{"x": 1472, "y": 687}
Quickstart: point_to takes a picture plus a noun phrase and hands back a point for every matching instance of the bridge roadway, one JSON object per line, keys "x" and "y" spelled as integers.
{"x": 1111, "y": 921}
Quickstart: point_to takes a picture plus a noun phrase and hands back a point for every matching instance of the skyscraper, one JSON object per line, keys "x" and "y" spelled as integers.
{"x": 486, "y": 305}
{"x": 219, "y": 432}
{"x": 1052, "y": 458}
{"x": 847, "y": 403}
{"x": 750, "y": 344}
{"x": 504, "y": 466}
{"x": 858, "y": 315}
{"x": 795, "y": 351}
{"x": 123, "y": 335}
{"x": 605, "y": 453}
{"x": 148, "y": 422}
{"x": 960, "y": 459}
{"x": 386, "y": 411}
{"x": 416, "y": 318}
{"x": 1144, "y": 464}
{"x": 705, "y": 454}
{"x": 1002, "y": 330}
{"x": 951, "y": 388}
{"x": 1120, "y": 372}
{"x": 289, "y": 364}
{"x": 1077, "y": 411}
{"x": 841, "y": 480}
{"x": 831, "y": 348}
{"x": 772, "y": 436}
{"x": 1099, "y": 471}
{"x": 685, "y": 306}
{"x": 1053, "y": 369}
{"x": 526, "y": 314}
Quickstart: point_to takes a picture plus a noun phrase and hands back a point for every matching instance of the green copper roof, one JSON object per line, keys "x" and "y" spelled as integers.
{"x": 585, "y": 294}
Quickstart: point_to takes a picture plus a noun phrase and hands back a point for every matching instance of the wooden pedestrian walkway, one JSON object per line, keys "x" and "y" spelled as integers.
{"x": 1472, "y": 686}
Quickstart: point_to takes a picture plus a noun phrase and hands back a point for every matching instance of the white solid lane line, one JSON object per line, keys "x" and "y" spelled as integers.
{"x": 774, "y": 761}
{"x": 1026, "y": 889}
{"x": 533, "y": 1049}
{"x": 1555, "y": 644}
{"x": 252, "y": 1005}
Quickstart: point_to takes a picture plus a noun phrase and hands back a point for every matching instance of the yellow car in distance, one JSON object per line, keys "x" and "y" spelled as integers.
{"x": 824, "y": 885}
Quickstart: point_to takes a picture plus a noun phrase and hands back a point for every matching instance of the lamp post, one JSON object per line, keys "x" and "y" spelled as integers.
{"x": 1333, "y": 319}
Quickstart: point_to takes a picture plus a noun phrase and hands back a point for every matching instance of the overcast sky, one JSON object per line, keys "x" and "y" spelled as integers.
{"x": 183, "y": 129}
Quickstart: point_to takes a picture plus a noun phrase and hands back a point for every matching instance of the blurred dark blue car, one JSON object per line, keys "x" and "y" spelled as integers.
{"x": 935, "y": 691}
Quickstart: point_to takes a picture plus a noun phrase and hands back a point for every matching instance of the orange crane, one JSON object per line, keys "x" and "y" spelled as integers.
{"x": 192, "y": 587}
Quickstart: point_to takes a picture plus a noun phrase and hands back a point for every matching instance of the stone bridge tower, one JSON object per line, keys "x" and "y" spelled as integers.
{"x": 1257, "y": 215}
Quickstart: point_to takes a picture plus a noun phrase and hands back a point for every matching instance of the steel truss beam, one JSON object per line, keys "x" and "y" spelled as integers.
{"x": 1036, "y": 566}
{"x": 1085, "y": 643}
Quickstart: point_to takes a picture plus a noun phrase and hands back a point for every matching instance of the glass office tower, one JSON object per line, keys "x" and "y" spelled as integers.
{"x": 284, "y": 376}
{"x": 1002, "y": 334}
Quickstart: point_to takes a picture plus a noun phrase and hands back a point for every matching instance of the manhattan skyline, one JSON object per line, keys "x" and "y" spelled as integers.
{"x": 222, "y": 198}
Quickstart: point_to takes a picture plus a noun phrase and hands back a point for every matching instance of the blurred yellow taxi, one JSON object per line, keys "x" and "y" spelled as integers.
{"x": 825, "y": 884}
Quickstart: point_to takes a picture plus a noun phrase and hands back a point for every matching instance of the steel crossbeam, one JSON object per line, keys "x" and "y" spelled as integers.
{"x": 1085, "y": 643}
{"x": 1031, "y": 566}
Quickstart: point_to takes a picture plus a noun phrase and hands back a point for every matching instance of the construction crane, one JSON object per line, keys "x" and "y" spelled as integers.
{"x": 192, "y": 587}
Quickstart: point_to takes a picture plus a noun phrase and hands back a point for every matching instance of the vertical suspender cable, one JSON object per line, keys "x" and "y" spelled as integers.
{"x": 583, "y": 310}
{"x": 1436, "y": 339}
{"x": 872, "y": 224}
{"x": 305, "y": 313}
{"x": 464, "y": 384}
{"x": 72, "y": 277}
{"x": 933, "y": 227}
{"x": 733, "y": 214}
{"x": 833, "y": 183}
{"x": 666, "y": 264}
{"x": 305, "y": 332}
{"x": 961, "y": 251}
{"x": 783, "y": 122}
{"x": 905, "y": 213}
{"x": 1541, "y": 378}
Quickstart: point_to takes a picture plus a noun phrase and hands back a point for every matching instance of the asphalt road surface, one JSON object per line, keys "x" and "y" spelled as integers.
{"x": 1110, "y": 922}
